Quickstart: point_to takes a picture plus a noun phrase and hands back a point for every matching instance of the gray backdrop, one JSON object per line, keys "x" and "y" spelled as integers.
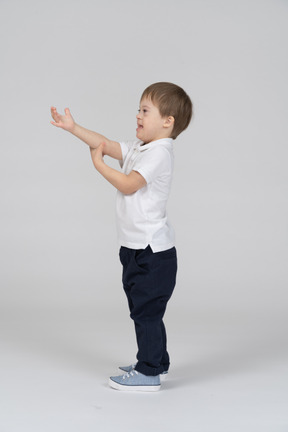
{"x": 229, "y": 199}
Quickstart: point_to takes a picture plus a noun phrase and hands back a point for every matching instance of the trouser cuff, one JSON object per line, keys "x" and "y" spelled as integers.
{"x": 145, "y": 369}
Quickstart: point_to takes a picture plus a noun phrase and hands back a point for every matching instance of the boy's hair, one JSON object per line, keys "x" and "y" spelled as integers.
{"x": 171, "y": 100}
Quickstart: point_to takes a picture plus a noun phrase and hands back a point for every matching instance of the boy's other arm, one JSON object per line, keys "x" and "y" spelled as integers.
{"x": 127, "y": 184}
{"x": 92, "y": 139}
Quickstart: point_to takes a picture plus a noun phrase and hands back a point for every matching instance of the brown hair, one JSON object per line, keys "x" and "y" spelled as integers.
{"x": 171, "y": 100}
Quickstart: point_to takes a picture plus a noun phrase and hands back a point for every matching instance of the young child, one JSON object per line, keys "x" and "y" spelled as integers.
{"x": 146, "y": 239}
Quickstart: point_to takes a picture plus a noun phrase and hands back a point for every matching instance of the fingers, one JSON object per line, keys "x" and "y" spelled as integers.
{"x": 54, "y": 114}
{"x": 100, "y": 149}
{"x": 65, "y": 121}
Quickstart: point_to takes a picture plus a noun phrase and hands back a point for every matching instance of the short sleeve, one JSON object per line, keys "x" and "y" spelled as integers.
{"x": 154, "y": 163}
{"x": 125, "y": 147}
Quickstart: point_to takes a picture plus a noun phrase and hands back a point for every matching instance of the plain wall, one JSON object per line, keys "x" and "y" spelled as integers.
{"x": 229, "y": 199}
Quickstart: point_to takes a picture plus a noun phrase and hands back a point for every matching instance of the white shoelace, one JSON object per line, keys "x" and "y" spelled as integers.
{"x": 130, "y": 374}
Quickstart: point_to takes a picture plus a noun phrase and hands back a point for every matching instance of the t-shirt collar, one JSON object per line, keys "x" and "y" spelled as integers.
{"x": 162, "y": 141}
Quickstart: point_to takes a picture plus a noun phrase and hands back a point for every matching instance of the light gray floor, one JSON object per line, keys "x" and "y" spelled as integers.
{"x": 229, "y": 373}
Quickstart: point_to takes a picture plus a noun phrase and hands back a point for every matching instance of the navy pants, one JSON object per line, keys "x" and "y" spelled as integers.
{"x": 149, "y": 280}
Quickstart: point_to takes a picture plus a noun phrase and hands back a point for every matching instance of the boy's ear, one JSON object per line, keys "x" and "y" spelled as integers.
{"x": 169, "y": 121}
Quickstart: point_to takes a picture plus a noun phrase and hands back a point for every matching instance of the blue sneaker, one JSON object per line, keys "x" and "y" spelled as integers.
{"x": 135, "y": 381}
{"x": 163, "y": 375}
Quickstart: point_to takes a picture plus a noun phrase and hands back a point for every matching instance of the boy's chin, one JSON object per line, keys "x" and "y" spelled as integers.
{"x": 140, "y": 137}
{"x": 143, "y": 138}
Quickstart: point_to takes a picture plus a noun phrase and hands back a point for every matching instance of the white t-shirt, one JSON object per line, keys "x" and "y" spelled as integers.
{"x": 141, "y": 216}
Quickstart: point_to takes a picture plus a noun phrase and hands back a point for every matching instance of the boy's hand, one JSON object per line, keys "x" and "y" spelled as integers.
{"x": 97, "y": 154}
{"x": 127, "y": 184}
{"x": 65, "y": 122}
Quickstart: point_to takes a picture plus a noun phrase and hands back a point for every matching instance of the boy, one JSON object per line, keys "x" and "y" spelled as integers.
{"x": 146, "y": 239}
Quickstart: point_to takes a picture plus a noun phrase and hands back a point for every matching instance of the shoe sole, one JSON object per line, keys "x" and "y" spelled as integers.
{"x": 118, "y": 386}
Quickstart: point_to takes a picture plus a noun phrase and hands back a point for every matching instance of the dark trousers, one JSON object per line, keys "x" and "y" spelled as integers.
{"x": 148, "y": 280}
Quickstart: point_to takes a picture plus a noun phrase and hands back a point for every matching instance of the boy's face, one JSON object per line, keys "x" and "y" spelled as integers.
{"x": 150, "y": 125}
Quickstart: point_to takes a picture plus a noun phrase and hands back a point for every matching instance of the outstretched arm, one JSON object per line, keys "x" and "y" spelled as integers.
{"x": 127, "y": 184}
{"x": 92, "y": 139}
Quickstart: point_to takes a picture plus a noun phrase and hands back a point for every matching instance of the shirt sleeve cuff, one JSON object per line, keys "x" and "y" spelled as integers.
{"x": 144, "y": 174}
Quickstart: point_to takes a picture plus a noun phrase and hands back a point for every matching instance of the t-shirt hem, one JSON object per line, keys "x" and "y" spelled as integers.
{"x": 155, "y": 248}
{"x": 161, "y": 248}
